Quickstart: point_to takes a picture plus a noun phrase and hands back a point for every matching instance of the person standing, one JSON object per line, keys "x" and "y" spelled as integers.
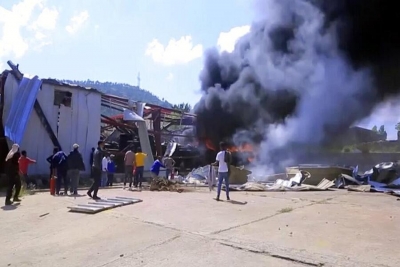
{"x": 12, "y": 172}
{"x": 60, "y": 169}
{"x": 91, "y": 162}
{"x": 129, "y": 161}
{"x": 75, "y": 165}
{"x": 97, "y": 166}
{"x": 169, "y": 164}
{"x": 111, "y": 170}
{"x": 155, "y": 168}
{"x": 223, "y": 160}
{"x": 104, "y": 167}
{"x": 50, "y": 160}
{"x": 24, "y": 163}
{"x": 140, "y": 158}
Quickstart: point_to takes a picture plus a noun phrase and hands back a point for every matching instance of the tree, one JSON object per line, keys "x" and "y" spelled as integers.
{"x": 375, "y": 128}
{"x": 382, "y": 129}
{"x": 398, "y": 131}
{"x": 185, "y": 107}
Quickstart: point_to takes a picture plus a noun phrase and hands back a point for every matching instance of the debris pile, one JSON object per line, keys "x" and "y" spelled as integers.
{"x": 383, "y": 177}
{"x": 163, "y": 184}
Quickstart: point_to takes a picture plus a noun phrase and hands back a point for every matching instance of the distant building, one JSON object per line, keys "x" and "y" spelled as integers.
{"x": 358, "y": 135}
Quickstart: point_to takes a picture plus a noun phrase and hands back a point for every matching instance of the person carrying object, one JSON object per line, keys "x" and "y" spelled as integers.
{"x": 140, "y": 158}
{"x": 12, "y": 172}
{"x": 75, "y": 165}
{"x": 223, "y": 161}
{"x": 155, "y": 168}
{"x": 97, "y": 169}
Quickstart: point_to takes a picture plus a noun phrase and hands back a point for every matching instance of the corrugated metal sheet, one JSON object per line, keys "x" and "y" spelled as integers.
{"x": 21, "y": 109}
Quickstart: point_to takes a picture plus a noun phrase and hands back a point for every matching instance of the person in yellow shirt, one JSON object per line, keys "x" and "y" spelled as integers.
{"x": 140, "y": 158}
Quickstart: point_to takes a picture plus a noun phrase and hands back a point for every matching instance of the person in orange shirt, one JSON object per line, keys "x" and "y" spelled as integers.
{"x": 24, "y": 163}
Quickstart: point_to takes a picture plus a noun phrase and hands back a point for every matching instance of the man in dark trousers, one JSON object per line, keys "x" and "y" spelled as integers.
{"x": 75, "y": 165}
{"x": 97, "y": 168}
{"x": 12, "y": 171}
{"x": 223, "y": 161}
{"x": 60, "y": 168}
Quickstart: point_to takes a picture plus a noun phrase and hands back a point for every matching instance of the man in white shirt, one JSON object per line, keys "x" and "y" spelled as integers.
{"x": 104, "y": 166}
{"x": 223, "y": 160}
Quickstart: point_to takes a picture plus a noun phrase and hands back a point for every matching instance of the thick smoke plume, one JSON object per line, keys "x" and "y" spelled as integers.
{"x": 307, "y": 70}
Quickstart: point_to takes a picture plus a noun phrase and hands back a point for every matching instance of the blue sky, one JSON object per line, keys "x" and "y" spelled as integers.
{"x": 109, "y": 40}
{"x": 114, "y": 40}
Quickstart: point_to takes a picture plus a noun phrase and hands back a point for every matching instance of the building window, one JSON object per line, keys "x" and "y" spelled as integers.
{"x": 62, "y": 98}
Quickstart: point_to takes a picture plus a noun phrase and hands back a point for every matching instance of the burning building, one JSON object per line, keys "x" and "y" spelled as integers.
{"x": 306, "y": 70}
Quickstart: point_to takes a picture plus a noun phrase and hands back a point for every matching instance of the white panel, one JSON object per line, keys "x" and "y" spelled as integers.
{"x": 93, "y": 110}
{"x": 65, "y": 128}
{"x": 36, "y": 140}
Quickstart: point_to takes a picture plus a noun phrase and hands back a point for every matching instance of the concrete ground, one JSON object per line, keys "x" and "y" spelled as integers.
{"x": 336, "y": 228}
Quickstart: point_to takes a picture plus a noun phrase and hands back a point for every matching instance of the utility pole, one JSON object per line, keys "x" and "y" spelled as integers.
{"x": 138, "y": 80}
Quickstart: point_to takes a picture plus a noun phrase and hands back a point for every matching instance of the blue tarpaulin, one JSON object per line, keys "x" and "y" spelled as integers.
{"x": 21, "y": 108}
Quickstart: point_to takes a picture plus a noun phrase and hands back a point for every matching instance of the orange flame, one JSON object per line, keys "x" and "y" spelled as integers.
{"x": 244, "y": 148}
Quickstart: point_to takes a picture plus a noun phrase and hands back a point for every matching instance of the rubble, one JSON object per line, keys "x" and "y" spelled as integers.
{"x": 163, "y": 184}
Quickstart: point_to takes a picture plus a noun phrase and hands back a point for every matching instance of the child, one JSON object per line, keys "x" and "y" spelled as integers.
{"x": 110, "y": 170}
{"x": 24, "y": 163}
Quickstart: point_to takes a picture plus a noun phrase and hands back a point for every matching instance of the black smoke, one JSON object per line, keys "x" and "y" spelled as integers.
{"x": 305, "y": 72}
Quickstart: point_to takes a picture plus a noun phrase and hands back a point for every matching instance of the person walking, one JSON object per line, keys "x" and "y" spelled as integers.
{"x": 12, "y": 172}
{"x": 110, "y": 170}
{"x": 223, "y": 160}
{"x": 75, "y": 165}
{"x": 169, "y": 164}
{"x": 60, "y": 169}
{"x": 129, "y": 161}
{"x": 140, "y": 159}
{"x": 24, "y": 163}
{"x": 97, "y": 165}
{"x": 155, "y": 168}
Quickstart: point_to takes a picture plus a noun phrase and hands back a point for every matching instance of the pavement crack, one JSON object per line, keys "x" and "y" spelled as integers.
{"x": 273, "y": 255}
{"x": 268, "y": 217}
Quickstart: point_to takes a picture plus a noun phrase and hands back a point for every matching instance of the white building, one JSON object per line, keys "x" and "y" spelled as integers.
{"x": 72, "y": 113}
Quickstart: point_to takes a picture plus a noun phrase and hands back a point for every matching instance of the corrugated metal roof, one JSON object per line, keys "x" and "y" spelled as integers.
{"x": 75, "y": 86}
{"x": 21, "y": 108}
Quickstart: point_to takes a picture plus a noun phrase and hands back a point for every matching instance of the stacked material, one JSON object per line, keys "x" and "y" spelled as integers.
{"x": 162, "y": 184}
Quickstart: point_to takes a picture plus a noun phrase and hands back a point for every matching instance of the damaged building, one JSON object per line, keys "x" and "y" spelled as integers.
{"x": 40, "y": 114}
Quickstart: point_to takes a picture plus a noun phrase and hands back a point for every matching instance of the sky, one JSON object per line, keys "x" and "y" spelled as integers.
{"x": 115, "y": 40}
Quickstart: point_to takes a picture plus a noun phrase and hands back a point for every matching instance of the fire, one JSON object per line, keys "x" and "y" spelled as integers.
{"x": 246, "y": 148}
{"x": 210, "y": 145}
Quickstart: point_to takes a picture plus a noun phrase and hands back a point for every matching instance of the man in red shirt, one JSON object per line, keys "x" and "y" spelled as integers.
{"x": 24, "y": 163}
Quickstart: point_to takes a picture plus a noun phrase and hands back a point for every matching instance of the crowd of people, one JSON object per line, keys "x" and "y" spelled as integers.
{"x": 66, "y": 169}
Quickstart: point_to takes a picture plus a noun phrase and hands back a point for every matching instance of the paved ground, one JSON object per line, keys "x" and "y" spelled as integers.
{"x": 190, "y": 229}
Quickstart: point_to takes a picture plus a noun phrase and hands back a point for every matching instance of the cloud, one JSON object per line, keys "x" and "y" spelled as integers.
{"x": 177, "y": 52}
{"x": 47, "y": 20}
{"x": 227, "y": 40}
{"x": 76, "y": 22}
{"x": 170, "y": 77}
{"x": 33, "y": 18}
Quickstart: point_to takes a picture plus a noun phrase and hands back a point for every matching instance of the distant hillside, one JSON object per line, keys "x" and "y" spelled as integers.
{"x": 123, "y": 90}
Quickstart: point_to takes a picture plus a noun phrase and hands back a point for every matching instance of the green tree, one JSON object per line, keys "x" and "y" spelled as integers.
{"x": 382, "y": 129}
{"x": 185, "y": 107}
{"x": 398, "y": 130}
{"x": 375, "y": 128}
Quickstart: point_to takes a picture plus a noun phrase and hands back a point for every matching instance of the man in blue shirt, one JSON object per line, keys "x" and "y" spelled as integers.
{"x": 60, "y": 168}
{"x": 155, "y": 168}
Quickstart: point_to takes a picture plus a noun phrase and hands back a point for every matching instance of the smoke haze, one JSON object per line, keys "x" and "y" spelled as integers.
{"x": 307, "y": 70}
